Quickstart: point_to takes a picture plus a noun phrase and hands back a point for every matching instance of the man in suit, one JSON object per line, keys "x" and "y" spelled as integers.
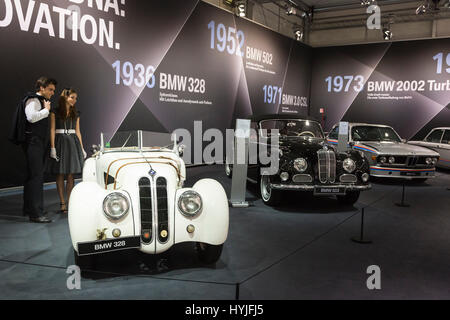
{"x": 37, "y": 109}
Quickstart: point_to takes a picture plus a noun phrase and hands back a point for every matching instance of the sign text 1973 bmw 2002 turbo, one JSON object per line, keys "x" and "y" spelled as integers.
{"x": 132, "y": 196}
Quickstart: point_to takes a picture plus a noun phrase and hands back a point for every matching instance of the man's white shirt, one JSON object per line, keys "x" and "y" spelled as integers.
{"x": 33, "y": 110}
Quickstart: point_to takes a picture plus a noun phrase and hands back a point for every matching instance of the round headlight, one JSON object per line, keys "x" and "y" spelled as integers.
{"x": 115, "y": 206}
{"x": 349, "y": 165}
{"x": 300, "y": 164}
{"x": 429, "y": 161}
{"x": 435, "y": 160}
{"x": 190, "y": 203}
{"x": 383, "y": 159}
{"x": 391, "y": 160}
{"x": 284, "y": 176}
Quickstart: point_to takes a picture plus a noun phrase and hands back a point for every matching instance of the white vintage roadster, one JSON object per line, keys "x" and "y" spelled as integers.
{"x": 132, "y": 196}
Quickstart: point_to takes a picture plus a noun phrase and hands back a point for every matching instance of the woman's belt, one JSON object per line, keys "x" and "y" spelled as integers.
{"x": 64, "y": 131}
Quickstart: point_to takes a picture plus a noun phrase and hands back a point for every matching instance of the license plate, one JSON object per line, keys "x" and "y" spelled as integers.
{"x": 329, "y": 191}
{"x": 101, "y": 246}
{"x": 410, "y": 174}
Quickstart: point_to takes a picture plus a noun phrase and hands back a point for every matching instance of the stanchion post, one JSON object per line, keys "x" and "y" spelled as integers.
{"x": 361, "y": 235}
{"x": 402, "y": 204}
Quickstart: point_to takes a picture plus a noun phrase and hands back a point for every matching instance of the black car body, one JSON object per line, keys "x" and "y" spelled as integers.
{"x": 307, "y": 162}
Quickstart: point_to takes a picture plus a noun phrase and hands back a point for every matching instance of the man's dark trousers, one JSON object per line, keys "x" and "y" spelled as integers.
{"x": 33, "y": 193}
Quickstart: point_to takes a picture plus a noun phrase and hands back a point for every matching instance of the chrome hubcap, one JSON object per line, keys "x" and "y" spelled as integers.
{"x": 265, "y": 188}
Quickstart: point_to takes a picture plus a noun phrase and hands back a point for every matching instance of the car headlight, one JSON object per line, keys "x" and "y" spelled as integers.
{"x": 391, "y": 160}
{"x": 300, "y": 164}
{"x": 429, "y": 161}
{"x": 382, "y": 159}
{"x": 190, "y": 203}
{"x": 115, "y": 206}
{"x": 435, "y": 160}
{"x": 349, "y": 165}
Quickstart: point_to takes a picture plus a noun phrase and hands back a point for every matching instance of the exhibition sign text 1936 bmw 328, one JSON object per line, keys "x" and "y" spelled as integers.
{"x": 132, "y": 196}
{"x": 307, "y": 162}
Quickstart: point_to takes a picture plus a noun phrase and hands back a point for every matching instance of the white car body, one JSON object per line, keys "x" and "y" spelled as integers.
{"x": 438, "y": 140}
{"x": 117, "y": 170}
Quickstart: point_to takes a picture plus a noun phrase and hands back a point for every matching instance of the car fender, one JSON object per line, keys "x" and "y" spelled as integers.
{"x": 89, "y": 170}
{"x": 86, "y": 214}
{"x": 211, "y": 225}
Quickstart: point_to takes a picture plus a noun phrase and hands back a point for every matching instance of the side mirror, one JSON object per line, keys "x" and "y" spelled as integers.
{"x": 351, "y": 144}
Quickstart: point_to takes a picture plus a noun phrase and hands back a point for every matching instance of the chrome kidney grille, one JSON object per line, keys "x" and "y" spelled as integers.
{"x": 327, "y": 166}
{"x": 163, "y": 214}
{"x": 145, "y": 198}
{"x": 153, "y": 198}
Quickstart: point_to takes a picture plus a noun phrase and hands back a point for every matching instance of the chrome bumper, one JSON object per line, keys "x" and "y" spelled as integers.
{"x": 384, "y": 172}
{"x": 277, "y": 186}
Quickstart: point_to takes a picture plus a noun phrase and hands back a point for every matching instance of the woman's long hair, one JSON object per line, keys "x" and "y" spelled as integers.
{"x": 63, "y": 102}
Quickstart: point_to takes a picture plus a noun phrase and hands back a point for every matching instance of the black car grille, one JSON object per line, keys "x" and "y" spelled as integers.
{"x": 145, "y": 198}
{"x": 326, "y": 166}
{"x": 163, "y": 216}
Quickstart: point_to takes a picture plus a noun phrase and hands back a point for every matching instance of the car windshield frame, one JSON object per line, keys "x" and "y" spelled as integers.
{"x": 134, "y": 141}
{"x": 261, "y": 130}
{"x": 380, "y": 133}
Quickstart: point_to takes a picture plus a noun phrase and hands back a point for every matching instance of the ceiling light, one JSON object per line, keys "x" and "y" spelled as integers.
{"x": 291, "y": 11}
{"x": 298, "y": 33}
{"x": 387, "y": 33}
{"x": 241, "y": 8}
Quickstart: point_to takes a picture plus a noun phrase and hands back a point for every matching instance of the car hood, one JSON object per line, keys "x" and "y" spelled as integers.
{"x": 397, "y": 148}
{"x": 301, "y": 144}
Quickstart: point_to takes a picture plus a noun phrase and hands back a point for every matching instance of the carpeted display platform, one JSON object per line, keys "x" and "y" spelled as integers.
{"x": 301, "y": 250}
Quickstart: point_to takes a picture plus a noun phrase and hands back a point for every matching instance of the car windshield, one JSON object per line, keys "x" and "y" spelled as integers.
{"x": 292, "y": 128}
{"x": 135, "y": 140}
{"x": 373, "y": 133}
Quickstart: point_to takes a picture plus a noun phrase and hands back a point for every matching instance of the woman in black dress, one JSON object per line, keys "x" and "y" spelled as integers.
{"x": 67, "y": 153}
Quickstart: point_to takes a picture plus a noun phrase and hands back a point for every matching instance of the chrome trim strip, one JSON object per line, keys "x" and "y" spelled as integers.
{"x": 310, "y": 188}
{"x": 305, "y": 178}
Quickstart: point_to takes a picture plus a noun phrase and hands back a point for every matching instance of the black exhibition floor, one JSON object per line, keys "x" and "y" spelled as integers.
{"x": 301, "y": 250}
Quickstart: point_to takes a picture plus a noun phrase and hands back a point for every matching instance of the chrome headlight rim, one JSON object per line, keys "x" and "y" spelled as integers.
{"x": 391, "y": 160}
{"x": 382, "y": 159}
{"x": 107, "y": 200}
{"x": 435, "y": 160}
{"x": 300, "y": 164}
{"x": 349, "y": 165}
{"x": 428, "y": 160}
{"x": 190, "y": 193}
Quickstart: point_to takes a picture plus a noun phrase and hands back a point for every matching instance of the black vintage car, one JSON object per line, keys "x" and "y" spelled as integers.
{"x": 307, "y": 162}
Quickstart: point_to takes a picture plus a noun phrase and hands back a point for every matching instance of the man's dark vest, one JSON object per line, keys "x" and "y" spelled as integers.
{"x": 39, "y": 128}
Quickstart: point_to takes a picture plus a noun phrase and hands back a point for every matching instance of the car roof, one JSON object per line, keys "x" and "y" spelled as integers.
{"x": 366, "y": 124}
{"x": 258, "y": 118}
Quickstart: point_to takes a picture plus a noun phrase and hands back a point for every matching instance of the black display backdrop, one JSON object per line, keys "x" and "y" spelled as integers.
{"x": 152, "y": 65}
{"x": 402, "y": 84}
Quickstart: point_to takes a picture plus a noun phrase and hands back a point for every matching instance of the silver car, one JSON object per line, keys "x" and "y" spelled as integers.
{"x": 388, "y": 154}
{"x": 438, "y": 140}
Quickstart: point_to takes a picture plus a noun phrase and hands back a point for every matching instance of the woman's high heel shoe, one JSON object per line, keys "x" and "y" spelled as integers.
{"x": 63, "y": 207}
